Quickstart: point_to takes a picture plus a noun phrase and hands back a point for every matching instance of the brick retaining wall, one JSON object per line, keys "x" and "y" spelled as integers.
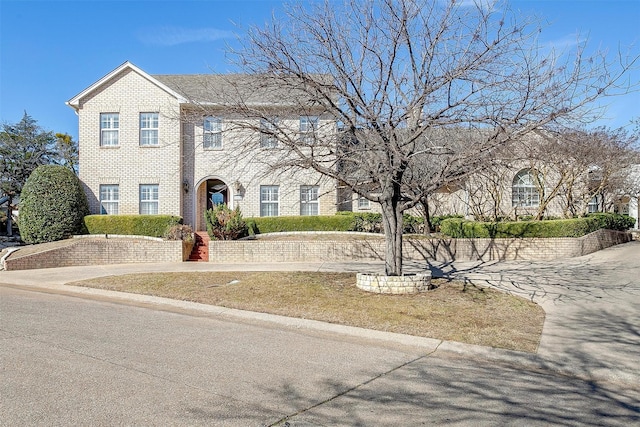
{"x": 443, "y": 250}
{"x": 93, "y": 250}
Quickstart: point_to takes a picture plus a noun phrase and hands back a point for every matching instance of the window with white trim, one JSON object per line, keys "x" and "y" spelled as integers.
{"x": 269, "y": 200}
{"x": 308, "y": 129}
{"x": 525, "y": 189}
{"x": 109, "y": 129}
{"x": 267, "y": 133}
{"x": 109, "y": 199}
{"x": 148, "y": 129}
{"x": 149, "y": 199}
{"x": 212, "y": 133}
{"x": 363, "y": 203}
{"x": 622, "y": 205}
{"x": 309, "y": 199}
{"x": 595, "y": 204}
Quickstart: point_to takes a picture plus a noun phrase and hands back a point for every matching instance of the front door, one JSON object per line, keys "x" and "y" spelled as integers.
{"x": 211, "y": 192}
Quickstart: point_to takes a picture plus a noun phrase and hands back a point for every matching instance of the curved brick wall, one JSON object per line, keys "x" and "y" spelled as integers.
{"x": 443, "y": 250}
{"x": 94, "y": 250}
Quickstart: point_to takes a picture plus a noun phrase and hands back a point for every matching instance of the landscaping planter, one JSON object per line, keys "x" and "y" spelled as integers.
{"x": 382, "y": 284}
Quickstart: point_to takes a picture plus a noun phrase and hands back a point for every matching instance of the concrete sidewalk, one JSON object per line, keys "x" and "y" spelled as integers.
{"x": 591, "y": 329}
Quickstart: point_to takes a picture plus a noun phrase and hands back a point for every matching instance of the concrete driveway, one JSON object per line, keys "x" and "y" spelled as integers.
{"x": 94, "y": 360}
{"x": 592, "y": 305}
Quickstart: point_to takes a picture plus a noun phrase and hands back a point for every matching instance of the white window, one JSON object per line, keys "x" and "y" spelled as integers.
{"x": 149, "y": 199}
{"x": 109, "y": 129}
{"x": 212, "y": 137}
{"x": 622, "y": 206}
{"x": 269, "y": 200}
{"x": 525, "y": 191}
{"x": 595, "y": 204}
{"x": 309, "y": 199}
{"x": 148, "y": 129}
{"x": 363, "y": 203}
{"x": 109, "y": 199}
{"x": 267, "y": 133}
{"x": 308, "y": 129}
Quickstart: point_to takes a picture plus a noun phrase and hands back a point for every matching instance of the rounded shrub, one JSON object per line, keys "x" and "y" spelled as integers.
{"x": 52, "y": 205}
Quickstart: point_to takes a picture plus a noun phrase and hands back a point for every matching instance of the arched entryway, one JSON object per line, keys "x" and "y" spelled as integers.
{"x": 210, "y": 192}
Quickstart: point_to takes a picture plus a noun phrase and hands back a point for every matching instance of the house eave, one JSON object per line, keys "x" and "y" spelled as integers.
{"x": 75, "y": 101}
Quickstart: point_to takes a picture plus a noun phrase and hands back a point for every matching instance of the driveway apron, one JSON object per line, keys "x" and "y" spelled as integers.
{"x": 592, "y": 325}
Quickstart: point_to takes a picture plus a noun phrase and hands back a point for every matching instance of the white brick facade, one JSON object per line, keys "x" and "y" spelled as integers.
{"x": 183, "y": 170}
{"x": 186, "y": 173}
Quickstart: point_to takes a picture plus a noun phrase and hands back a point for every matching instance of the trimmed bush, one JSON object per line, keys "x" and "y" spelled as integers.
{"x": 136, "y": 225}
{"x": 436, "y": 221}
{"x": 576, "y": 227}
{"x": 52, "y": 205}
{"x": 275, "y": 224}
{"x": 611, "y": 221}
{"x": 367, "y": 222}
{"x": 225, "y": 224}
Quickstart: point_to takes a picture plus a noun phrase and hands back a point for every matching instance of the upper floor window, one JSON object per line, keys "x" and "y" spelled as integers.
{"x": 309, "y": 199}
{"x": 149, "y": 199}
{"x": 267, "y": 133}
{"x": 308, "y": 129}
{"x": 525, "y": 189}
{"x": 109, "y": 199}
{"x": 148, "y": 129}
{"x": 212, "y": 133}
{"x": 269, "y": 200}
{"x": 109, "y": 129}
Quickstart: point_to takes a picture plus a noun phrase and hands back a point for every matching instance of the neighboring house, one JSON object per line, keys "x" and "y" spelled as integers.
{"x": 521, "y": 194}
{"x": 524, "y": 188}
{"x": 164, "y": 144}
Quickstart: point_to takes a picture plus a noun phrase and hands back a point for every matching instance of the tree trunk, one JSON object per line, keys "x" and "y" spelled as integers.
{"x": 428, "y": 226}
{"x": 9, "y": 217}
{"x": 392, "y": 223}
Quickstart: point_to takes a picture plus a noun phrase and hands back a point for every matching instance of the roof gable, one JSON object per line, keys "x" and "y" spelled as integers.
{"x": 75, "y": 101}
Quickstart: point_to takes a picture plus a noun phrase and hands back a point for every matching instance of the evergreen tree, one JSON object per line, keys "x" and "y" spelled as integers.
{"x": 53, "y": 205}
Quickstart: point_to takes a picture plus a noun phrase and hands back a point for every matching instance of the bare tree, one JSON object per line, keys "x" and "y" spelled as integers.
{"x": 576, "y": 166}
{"x": 396, "y": 74}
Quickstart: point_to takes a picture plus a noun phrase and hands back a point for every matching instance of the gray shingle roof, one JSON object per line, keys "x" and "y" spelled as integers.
{"x": 231, "y": 88}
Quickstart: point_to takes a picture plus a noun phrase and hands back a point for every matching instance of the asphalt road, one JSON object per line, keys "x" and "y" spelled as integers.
{"x": 67, "y": 360}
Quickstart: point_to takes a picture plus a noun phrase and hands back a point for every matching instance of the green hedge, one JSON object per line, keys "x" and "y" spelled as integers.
{"x": 368, "y": 222}
{"x": 611, "y": 221}
{"x": 137, "y": 225}
{"x": 275, "y": 224}
{"x": 577, "y": 227}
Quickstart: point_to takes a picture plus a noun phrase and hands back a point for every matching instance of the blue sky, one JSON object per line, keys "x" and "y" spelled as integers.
{"x": 52, "y": 50}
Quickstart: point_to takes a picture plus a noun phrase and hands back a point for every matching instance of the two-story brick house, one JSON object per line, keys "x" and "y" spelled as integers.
{"x": 172, "y": 144}
{"x": 163, "y": 144}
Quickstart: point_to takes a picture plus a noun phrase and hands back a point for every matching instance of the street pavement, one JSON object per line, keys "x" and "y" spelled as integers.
{"x": 76, "y": 356}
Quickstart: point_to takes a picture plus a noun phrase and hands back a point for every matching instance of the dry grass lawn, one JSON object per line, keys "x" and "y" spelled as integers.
{"x": 453, "y": 311}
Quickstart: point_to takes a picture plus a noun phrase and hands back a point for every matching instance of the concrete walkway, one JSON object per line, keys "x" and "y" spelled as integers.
{"x": 592, "y": 328}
